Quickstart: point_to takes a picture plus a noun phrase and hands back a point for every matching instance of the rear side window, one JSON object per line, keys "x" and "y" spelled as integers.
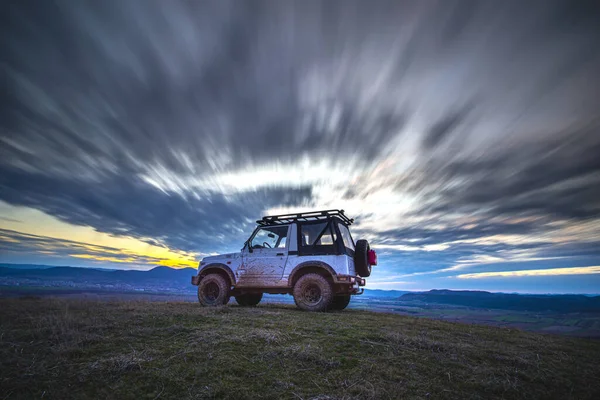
{"x": 345, "y": 233}
{"x": 316, "y": 234}
{"x": 329, "y": 239}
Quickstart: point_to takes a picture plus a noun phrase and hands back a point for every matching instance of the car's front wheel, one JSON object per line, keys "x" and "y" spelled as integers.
{"x": 249, "y": 300}
{"x": 313, "y": 292}
{"x": 213, "y": 290}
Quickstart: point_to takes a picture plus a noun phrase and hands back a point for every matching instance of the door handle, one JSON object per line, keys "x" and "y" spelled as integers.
{"x": 279, "y": 254}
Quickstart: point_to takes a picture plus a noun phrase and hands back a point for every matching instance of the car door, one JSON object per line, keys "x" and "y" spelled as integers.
{"x": 264, "y": 257}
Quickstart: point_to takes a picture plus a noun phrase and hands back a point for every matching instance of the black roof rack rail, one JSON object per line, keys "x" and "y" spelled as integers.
{"x": 306, "y": 216}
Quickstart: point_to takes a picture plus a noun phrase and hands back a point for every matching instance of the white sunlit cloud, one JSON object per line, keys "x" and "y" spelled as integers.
{"x": 533, "y": 272}
{"x": 328, "y": 179}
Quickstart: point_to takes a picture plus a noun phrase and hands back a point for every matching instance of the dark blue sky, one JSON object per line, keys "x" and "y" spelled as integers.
{"x": 463, "y": 136}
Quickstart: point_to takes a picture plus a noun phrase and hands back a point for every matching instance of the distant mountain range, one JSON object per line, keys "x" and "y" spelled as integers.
{"x": 508, "y": 301}
{"x": 170, "y": 280}
{"x": 104, "y": 275}
{"x": 26, "y": 266}
{"x": 384, "y": 293}
{"x": 157, "y": 279}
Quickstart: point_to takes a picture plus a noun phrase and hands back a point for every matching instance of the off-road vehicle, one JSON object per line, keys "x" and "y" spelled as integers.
{"x": 309, "y": 255}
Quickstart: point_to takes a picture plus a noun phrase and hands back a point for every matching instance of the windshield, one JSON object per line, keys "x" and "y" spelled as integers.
{"x": 346, "y": 237}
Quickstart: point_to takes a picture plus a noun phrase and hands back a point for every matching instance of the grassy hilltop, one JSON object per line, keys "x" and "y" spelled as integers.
{"x": 58, "y": 349}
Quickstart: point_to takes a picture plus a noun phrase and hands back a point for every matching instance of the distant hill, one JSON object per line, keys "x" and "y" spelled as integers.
{"x": 384, "y": 293}
{"x": 44, "y": 266}
{"x": 26, "y": 266}
{"x": 151, "y": 277}
{"x": 170, "y": 280}
{"x": 158, "y": 278}
{"x": 91, "y": 273}
{"x": 506, "y": 301}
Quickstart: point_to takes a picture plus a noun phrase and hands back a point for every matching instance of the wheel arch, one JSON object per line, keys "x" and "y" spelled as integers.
{"x": 307, "y": 267}
{"x": 218, "y": 268}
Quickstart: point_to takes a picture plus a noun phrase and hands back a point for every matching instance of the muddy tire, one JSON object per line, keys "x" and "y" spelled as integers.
{"x": 313, "y": 292}
{"x": 340, "y": 302}
{"x": 249, "y": 300}
{"x": 213, "y": 290}
{"x": 361, "y": 258}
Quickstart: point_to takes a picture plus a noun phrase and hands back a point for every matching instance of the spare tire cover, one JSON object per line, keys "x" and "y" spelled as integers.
{"x": 361, "y": 258}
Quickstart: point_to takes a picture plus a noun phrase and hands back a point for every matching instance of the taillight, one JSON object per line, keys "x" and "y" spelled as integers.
{"x": 372, "y": 256}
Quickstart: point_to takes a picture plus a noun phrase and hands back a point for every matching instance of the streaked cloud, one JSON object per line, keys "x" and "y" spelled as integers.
{"x": 533, "y": 272}
{"x": 19, "y": 247}
{"x": 461, "y": 136}
{"x": 402, "y": 247}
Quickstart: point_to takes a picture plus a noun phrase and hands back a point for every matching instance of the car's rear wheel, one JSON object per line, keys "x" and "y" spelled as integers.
{"x": 249, "y": 300}
{"x": 312, "y": 292}
{"x": 213, "y": 290}
{"x": 340, "y": 302}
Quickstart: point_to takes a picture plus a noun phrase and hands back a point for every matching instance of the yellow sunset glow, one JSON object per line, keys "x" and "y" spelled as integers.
{"x": 33, "y": 222}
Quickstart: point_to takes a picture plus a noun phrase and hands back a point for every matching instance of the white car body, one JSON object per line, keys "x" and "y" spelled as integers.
{"x": 271, "y": 268}
{"x": 310, "y": 255}
{"x": 283, "y": 249}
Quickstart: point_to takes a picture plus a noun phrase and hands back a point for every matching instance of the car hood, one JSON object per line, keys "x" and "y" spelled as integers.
{"x": 221, "y": 258}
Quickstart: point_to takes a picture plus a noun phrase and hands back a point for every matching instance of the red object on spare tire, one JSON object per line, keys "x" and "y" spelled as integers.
{"x": 361, "y": 258}
{"x": 372, "y": 256}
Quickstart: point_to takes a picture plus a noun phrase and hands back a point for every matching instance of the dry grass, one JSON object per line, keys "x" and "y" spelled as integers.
{"x": 53, "y": 348}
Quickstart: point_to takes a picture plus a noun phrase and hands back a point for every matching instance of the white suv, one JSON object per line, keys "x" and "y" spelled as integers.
{"x": 309, "y": 255}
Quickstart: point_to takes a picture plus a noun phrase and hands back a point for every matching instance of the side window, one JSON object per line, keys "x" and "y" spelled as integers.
{"x": 348, "y": 242}
{"x": 270, "y": 237}
{"x": 316, "y": 234}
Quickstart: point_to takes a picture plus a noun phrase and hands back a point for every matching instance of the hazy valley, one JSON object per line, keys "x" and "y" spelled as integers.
{"x": 576, "y": 315}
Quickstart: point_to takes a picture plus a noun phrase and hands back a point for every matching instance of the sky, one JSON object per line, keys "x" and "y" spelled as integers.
{"x": 462, "y": 136}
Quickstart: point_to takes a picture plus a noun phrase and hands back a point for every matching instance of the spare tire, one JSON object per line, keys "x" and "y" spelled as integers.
{"x": 361, "y": 258}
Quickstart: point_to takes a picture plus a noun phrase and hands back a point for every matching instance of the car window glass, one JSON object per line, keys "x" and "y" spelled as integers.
{"x": 348, "y": 242}
{"x": 327, "y": 239}
{"x": 310, "y": 234}
{"x": 282, "y": 242}
{"x": 270, "y": 237}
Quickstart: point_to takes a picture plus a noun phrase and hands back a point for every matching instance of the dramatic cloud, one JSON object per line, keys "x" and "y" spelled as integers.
{"x": 60, "y": 250}
{"x": 460, "y": 135}
{"x": 534, "y": 272}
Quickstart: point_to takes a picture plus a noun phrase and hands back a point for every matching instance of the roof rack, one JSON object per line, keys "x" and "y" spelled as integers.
{"x": 307, "y": 216}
